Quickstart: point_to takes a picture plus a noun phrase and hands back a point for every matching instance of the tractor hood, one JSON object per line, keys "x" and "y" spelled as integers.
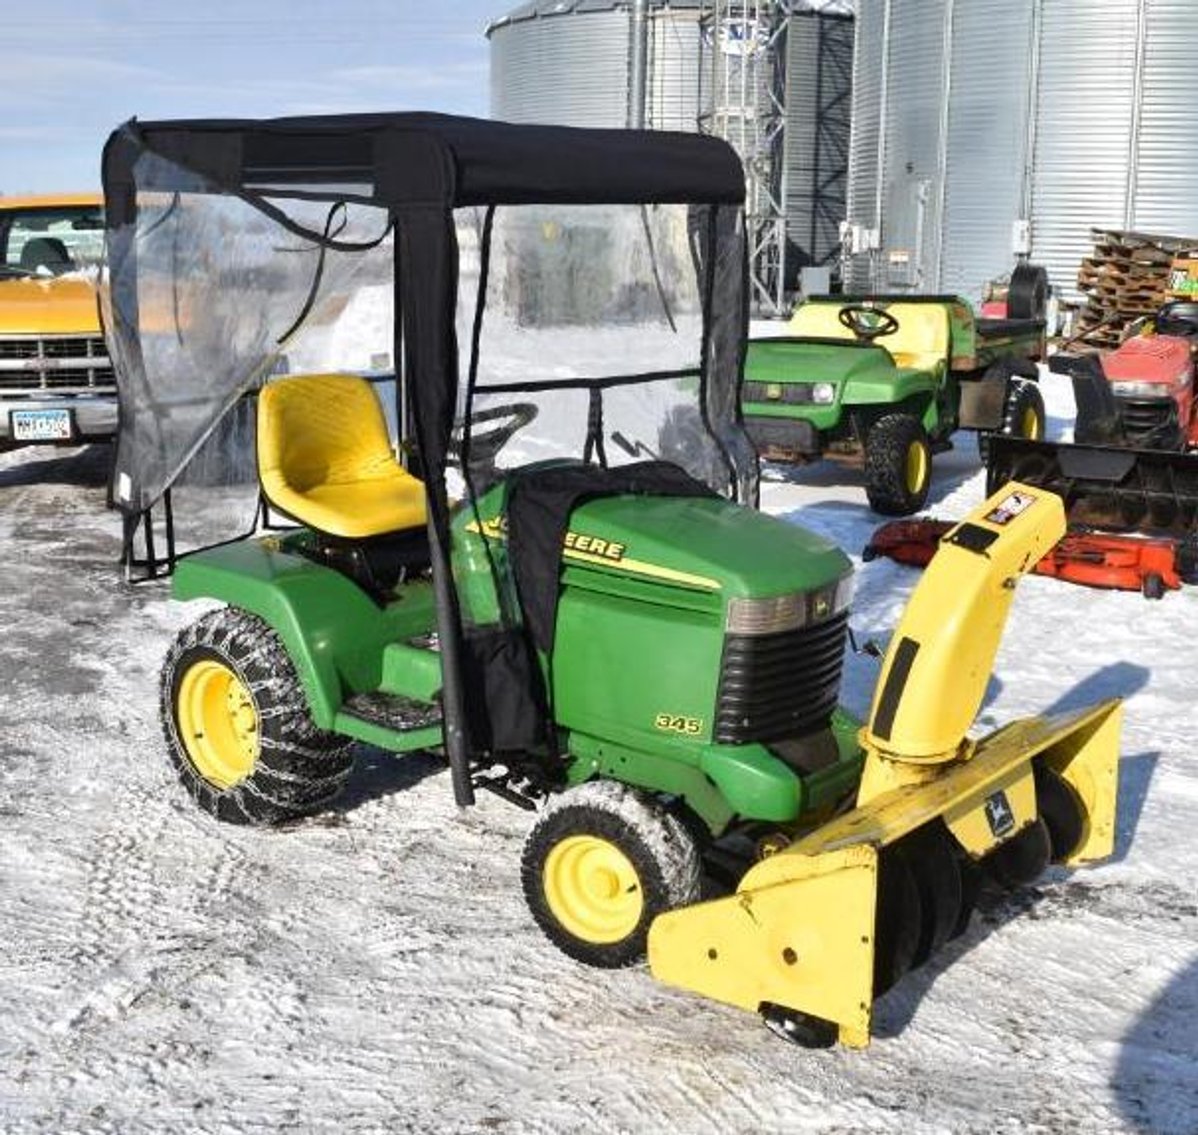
{"x": 702, "y": 543}
{"x": 780, "y": 361}
{"x": 1149, "y": 365}
{"x": 36, "y": 306}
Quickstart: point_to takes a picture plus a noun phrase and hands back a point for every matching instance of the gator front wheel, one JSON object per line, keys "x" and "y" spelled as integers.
{"x": 898, "y": 465}
{"x": 237, "y": 726}
{"x": 600, "y": 864}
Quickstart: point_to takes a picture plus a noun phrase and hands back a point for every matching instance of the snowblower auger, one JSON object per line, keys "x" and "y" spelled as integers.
{"x": 1124, "y": 490}
{"x": 818, "y": 930}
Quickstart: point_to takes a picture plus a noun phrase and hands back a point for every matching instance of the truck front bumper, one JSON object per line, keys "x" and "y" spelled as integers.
{"x": 91, "y": 417}
{"x": 784, "y": 439}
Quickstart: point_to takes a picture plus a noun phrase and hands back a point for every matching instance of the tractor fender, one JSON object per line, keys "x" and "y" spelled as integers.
{"x": 902, "y": 384}
{"x": 922, "y": 406}
{"x": 333, "y": 632}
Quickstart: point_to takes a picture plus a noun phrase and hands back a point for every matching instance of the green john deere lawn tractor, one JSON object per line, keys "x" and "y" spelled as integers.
{"x": 883, "y": 382}
{"x": 624, "y": 646}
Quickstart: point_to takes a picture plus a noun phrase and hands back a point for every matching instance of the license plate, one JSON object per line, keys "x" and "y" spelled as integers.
{"x": 41, "y": 425}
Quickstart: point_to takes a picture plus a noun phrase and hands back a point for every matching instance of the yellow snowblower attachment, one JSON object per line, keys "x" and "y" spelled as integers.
{"x": 818, "y": 930}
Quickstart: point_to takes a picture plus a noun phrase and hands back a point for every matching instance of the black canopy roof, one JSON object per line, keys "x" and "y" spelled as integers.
{"x": 405, "y": 159}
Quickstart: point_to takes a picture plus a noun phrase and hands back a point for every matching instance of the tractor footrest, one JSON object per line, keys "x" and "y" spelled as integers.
{"x": 392, "y": 711}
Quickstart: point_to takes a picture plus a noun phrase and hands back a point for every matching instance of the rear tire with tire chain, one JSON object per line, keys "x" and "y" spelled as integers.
{"x": 889, "y": 457}
{"x": 603, "y": 817}
{"x": 298, "y": 767}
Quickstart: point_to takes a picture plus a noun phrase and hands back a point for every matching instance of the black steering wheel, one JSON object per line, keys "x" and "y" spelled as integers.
{"x": 485, "y": 444}
{"x": 867, "y": 323}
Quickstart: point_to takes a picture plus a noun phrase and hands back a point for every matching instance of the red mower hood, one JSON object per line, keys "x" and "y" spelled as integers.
{"x": 1150, "y": 358}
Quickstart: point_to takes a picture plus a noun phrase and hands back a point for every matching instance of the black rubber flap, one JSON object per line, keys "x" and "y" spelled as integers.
{"x": 972, "y": 538}
{"x": 896, "y": 682}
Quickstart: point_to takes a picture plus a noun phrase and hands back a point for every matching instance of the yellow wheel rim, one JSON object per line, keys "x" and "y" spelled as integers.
{"x": 593, "y": 889}
{"x": 917, "y": 466}
{"x": 1031, "y": 427}
{"x": 218, "y": 722}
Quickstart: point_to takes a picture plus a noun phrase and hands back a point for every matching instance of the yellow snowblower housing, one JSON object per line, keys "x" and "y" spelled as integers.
{"x": 819, "y": 929}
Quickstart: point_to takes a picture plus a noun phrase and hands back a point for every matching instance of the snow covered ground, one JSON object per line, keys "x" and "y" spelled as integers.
{"x": 374, "y": 969}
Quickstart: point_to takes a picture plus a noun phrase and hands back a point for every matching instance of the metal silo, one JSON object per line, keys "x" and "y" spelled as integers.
{"x": 570, "y": 62}
{"x": 1083, "y": 123}
{"x": 567, "y": 62}
{"x": 987, "y": 123}
{"x": 990, "y": 128}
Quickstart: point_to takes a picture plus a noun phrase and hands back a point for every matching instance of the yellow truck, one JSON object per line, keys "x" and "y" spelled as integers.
{"x": 56, "y": 380}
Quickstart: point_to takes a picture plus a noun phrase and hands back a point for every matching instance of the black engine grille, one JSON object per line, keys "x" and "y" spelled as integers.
{"x": 1143, "y": 416}
{"x": 779, "y": 685}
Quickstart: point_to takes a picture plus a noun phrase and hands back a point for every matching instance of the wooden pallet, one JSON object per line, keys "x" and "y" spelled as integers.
{"x": 1125, "y": 278}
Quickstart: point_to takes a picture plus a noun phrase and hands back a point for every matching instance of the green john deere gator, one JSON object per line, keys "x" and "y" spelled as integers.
{"x": 883, "y": 382}
{"x": 563, "y": 585}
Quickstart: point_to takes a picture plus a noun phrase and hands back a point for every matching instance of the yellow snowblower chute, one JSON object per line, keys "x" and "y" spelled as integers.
{"x": 818, "y": 930}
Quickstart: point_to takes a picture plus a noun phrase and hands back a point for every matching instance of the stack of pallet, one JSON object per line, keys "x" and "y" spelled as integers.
{"x": 1126, "y": 277}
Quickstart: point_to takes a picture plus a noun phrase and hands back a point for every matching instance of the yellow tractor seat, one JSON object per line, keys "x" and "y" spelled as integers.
{"x": 325, "y": 458}
{"x": 922, "y": 338}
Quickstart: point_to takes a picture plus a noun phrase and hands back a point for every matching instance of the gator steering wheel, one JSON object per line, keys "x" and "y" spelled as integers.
{"x": 867, "y": 323}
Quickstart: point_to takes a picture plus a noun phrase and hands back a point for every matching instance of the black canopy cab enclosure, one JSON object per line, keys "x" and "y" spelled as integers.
{"x": 565, "y": 301}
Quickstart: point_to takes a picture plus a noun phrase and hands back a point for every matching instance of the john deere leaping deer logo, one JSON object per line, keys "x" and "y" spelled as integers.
{"x": 999, "y": 814}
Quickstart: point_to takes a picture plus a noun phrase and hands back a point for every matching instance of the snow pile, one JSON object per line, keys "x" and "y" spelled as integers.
{"x": 376, "y": 969}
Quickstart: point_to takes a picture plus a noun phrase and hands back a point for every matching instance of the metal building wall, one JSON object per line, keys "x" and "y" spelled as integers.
{"x": 987, "y": 133}
{"x": 1083, "y": 122}
{"x": 1165, "y": 196}
{"x": 912, "y": 179}
{"x": 1069, "y": 114}
{"x": 819, "y": 79}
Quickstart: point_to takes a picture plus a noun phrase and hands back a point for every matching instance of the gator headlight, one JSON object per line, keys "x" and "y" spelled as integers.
{"x": 823, "y": 393}
{"x": 788, "y": 612}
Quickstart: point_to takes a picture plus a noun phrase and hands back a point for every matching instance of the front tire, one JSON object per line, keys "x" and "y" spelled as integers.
{"x": 898, "y": 465}
{"x": 237, "y": 726}
{"x": 600, "y": 864}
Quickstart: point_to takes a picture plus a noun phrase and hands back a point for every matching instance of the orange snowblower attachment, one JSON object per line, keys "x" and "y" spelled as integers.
{"x": 818, "y": 930}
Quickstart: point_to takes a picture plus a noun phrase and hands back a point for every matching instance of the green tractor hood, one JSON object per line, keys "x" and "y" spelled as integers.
{"x": 701, "y": 544}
